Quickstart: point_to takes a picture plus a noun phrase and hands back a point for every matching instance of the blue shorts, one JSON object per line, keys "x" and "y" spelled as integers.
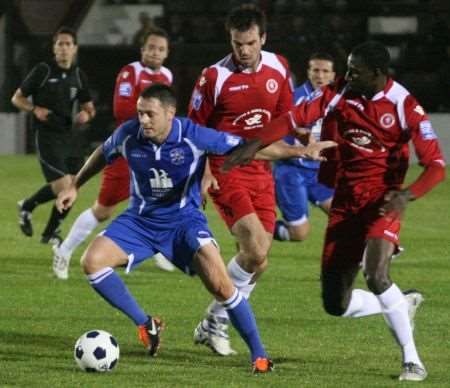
{"x": 294, "y": 187}
{"x": 141, "y": 238}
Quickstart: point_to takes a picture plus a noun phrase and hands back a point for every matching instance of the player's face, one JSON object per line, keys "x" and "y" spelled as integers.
{"x": 247, "y": 46}
{"x": 320, "y": 72}
{"x": 155, "y": 118}
{"x": 64, "y": 49}
{"x": 154, "y": 51}
{"x": 361, "y": 79}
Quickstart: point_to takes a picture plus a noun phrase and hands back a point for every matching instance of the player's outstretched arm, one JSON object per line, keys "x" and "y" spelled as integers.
{"x": 243, "y": 154}
{"x": 93, "y": 165}
{"x": 254, "y": 149}
{"x": 283, "y": 150}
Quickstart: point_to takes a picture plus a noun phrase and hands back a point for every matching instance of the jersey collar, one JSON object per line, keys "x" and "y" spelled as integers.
{"x": 242, "y": 69}
{"x": 149, "y": 70}
{"x": 383, "y": 92}
{"x": 174, "y": 135}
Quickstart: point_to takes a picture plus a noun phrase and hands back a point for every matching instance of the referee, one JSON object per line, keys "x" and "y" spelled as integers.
{"x": 60, "y": 100}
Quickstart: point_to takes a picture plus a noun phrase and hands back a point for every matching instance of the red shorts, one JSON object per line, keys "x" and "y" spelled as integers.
{"x": 349, "y": 228}
{"x": 115, "y": 184}
{"x": 238, "y": 197}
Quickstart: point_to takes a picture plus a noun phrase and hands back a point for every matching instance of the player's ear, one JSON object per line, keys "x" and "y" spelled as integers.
{"x": 171, "y": 111}
{"x": 378, "y": 72}
{"x": 263, "y": 38}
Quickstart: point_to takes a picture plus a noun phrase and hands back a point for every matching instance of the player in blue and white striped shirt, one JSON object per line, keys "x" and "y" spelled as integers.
{"x": 166, "y": 156}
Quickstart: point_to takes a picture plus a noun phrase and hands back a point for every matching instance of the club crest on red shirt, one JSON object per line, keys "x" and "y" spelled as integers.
{"x": 387, "y": 120}
{"x": 271, "y": 85}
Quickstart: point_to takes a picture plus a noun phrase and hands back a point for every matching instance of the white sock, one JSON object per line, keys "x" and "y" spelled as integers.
{"x": 241, "y": 280}
{"x": 395, "y": 311}
{"x": 81, "y": 229}
{"x": 362, "y": 304}
{"x": 283, "y": 231}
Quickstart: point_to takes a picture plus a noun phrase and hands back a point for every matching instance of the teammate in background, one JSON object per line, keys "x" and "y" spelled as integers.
{"x": 372, "y": 118}
{"x": 166, "y": 156}
{"x": 114, "y": 188}
{"x": 238, "y": 95}
{"x": 296, "y": 179}
{"x": 56, "y": 88}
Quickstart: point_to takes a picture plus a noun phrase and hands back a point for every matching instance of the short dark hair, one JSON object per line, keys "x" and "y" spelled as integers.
{"x": 158, "y": 32}
{"x": 243, "y": 17}
{"x": 65, "y": 30}
{"x": 374, "y": 55}
{"x": 321, "y": 56}
{"x": 162, "y": 92}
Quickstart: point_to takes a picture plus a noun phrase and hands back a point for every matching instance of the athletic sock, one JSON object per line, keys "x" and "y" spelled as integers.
{"x": 281, "y": 231}
{"x": 395, "y": 312}
{"x": 362, "y": 304}
{"x": 54, "y": 221}
{"x": 241, "y": 279}
{"x": 111, "y": 287}
{"x": 43, "y": 195}
{"x": 242, "y": 318}
{"x": 80, "y": 230}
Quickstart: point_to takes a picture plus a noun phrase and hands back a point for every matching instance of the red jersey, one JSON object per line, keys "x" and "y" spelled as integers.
{"x": 240, "y": 102}
{"x": 131, "y": 80}
{"x": 372, "y": 134}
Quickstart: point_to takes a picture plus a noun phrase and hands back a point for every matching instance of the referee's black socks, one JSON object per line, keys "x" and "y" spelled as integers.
{"x": 55, "y": 220}
{"x": 43, "y": 195}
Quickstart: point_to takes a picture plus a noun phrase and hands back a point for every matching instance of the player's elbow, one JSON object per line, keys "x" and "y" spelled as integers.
{"x": 15, "y": 98}
{"x": 443, "y": 171}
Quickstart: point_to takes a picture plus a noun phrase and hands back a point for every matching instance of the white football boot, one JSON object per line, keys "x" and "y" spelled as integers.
{"x": 60, "y": 263}
{"x": 213, "y": 332}
{"x": 413, "y": 372}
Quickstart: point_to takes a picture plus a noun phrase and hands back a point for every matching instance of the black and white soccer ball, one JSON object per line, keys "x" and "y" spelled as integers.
{"x": 96, "y": 351}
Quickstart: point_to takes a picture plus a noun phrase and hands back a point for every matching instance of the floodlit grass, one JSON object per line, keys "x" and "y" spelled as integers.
{"x": 41, "y": 317}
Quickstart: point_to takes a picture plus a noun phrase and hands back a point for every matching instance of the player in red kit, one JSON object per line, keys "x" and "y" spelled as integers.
{"x": 372, "y": 118}
{"x": 114, "y": 188}
{"x": 240, "y": 94}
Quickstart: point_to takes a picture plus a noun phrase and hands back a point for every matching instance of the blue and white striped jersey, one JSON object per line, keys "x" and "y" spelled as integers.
{"x": 304, "y": 91}
{"x": 165, "y": 179}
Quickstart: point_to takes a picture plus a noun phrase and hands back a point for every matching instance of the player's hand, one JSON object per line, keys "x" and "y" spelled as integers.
{"x": 304, "y": 135}
{"x": 209, "y": 181}
{"x": 66, "y": 198}
{"x": 243, "y": 154}
{"x": 41, "y": 113}
{"x": 395, "y": 201}
{"x": 82, "y": 117}
{"x": 313, "y": 150}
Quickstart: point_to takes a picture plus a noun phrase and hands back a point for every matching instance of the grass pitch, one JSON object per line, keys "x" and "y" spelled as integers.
{"x": 41, "y": 317}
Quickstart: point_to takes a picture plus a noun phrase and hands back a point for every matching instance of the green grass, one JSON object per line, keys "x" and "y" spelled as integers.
{"x": 41, "y": 317}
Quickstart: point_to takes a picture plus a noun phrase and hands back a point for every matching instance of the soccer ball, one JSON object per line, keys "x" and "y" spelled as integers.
{"x": 96, "y": 351}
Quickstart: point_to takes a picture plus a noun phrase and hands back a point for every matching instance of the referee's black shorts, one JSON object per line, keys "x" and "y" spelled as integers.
{"x": 59, "y": 153}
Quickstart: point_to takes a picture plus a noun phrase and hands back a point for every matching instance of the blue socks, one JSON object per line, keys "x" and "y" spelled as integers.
{"x": 112, "y": 288}
{"x": 242, "y": 318}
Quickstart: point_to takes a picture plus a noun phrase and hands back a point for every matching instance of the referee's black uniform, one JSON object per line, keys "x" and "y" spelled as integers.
{"x": 60, "y": 91}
